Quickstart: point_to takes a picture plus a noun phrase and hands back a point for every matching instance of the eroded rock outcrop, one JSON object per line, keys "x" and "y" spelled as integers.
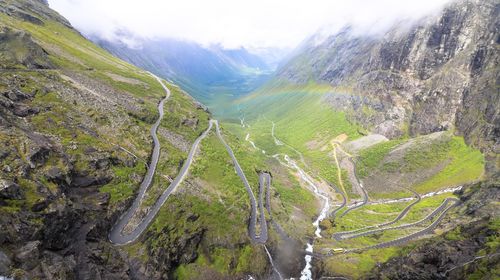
{"x": 17, "y": 47}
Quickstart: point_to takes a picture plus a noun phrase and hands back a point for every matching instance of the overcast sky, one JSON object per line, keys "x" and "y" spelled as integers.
{"x": 234, "y": 23}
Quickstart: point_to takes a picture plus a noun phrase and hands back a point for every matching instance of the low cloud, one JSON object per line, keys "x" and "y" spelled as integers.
{"x": 231, "y": 23}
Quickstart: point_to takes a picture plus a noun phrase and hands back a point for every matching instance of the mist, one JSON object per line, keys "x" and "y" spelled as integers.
{"x": 234, "y": 24}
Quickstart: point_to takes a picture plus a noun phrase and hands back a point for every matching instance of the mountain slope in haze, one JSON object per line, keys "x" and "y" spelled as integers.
{"x": 211, "y": 74}
{"x": 437, "y": 74}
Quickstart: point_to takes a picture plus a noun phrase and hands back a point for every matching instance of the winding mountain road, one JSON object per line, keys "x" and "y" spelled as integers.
{"x": 370, "y": 230}
{"x": 357, "y": 206}
{"x": 436, "y": 211}
{"x": 275, "y": 224}
{"x": 340, "y": 235}
{"x": 117, "y": 236}
{"x": 442, "y": 209}
{"x": 363, "y": 191}
{"x": 428, "y": 230}
{"x": 262, "y": 237}
{"x": 344, "y": 200}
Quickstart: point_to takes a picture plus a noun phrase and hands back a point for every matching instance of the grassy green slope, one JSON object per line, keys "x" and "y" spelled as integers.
{"x": 423, "y": 166}
{"x": 302, "y": 121}
{"x": 305, "y": 122}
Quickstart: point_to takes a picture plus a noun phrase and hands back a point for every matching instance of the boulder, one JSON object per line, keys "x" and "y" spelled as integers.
{"x": 7, "y": 169}
{"x": 18, "y": 47}
{"x": 17, "y": 95}
{"x": 15, "y": 12}
{"x": 24, "y": 111}
{"x": 39, "y": 206}
{"x": 10, "y": 190}
{"x": 28, "y": 255}
{"x": 5, "y": 264}
{"x": 87, "y": 181}
{"x": 4, "y": 154}
{"x": 58, "y": 176}
{"x": 38, "y": 155}
{"x": 190, "y": 122}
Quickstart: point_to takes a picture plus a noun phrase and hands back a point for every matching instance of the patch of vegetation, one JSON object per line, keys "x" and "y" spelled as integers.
{"x": 351, "y": 194}
{"x": 186, "y": 272}
{"x": 357, "y": 265}
{"x": 453, "y": 162}
{"x": 304, "y": 123}
{"x": 123, "y": 185}
{"x": 466, "y": 165}
{"x": 180, "y": 108}
{"x": 370, "y": 158}
{"x": 303, "y": 116}
{"x": 295, "y": 196}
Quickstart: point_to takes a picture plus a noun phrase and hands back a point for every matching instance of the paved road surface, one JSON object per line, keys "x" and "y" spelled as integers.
{"x": 365, "y": 194}
{"x": 425, "y": 231}
{"x": 417, "y": 223}
{"x": 344, "y": 234}
{"x": 275, "y": 224}
{"x": 262, "y": 238}
{"x": 443, "y": 208}
{"x": 116, "y": 235}
{"x": 344, "y": 200}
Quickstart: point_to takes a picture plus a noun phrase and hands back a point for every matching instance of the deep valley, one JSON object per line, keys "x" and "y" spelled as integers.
{"x": 355, "y": 156}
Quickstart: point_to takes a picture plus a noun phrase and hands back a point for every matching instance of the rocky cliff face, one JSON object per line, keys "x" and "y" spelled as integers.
{"x": 437, "y": 74}
{"x": 33, "y": 11}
